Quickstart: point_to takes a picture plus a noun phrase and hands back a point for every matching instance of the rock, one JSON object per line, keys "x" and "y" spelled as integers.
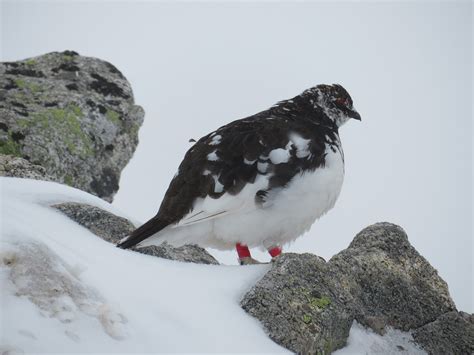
{"x": 75, "y": 116}
{"x": 299, "y": 307}
{"x": 113, "y": 228}
{"x": 11, "y": 166}
{"x": 188, "y": 253}
{"x": 380, "y": 280}
{"x": 387, "y": 282}
{"x": 103, "y": 224}
{"x": 451, "y": 334}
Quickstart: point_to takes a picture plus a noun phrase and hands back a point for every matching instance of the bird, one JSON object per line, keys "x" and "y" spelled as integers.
{"x": 260, "y": 181}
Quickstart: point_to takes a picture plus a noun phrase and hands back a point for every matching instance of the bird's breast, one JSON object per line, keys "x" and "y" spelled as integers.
{"x": 314, "y": 192}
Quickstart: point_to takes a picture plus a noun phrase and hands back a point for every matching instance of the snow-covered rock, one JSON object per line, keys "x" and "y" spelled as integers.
{"x": 38, "y": 274}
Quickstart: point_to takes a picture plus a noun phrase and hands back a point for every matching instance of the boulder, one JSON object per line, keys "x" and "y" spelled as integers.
{"x": 450, "y": 334}
{"x": 113, "y": 228}
{"x": 387, "y": 282}
{"x": 308, "y": 305}
{"x": 75, "y": 116}
{"x": 299, "y": 306}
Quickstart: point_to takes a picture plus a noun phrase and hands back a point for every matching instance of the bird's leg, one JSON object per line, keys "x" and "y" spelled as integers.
{"x": 274, "y": 252}
{"x": 244, "y": 255}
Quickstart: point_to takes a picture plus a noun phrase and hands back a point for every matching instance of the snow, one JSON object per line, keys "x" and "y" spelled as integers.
{"x": 104, "y": 299}
{"x": 393, "y": 342}
{"x": 129, "y": 302}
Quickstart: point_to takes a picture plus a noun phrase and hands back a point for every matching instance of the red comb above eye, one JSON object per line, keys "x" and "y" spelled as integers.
{"x": 342, "y": 101}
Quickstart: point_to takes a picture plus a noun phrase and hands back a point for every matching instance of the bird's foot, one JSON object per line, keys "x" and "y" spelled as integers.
{"x": 275, "y": 258}
{"x": 248, "y": 260}
{"x": 275, "y": 252}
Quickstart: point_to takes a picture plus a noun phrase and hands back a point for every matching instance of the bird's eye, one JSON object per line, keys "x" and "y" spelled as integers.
{"x": 342, "y": 101}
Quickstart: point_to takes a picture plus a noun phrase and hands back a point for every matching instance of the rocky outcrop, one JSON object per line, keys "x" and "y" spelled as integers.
{"x": 75, "y": 116}
{"x": 11, "y": 166}
{"x": 450, "y": 334}
{"x": 307, "y": 305}
{"x": 113, "y": 228}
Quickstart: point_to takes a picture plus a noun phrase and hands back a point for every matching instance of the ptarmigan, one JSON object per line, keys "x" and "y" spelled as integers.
{"x": 258, "y": 181}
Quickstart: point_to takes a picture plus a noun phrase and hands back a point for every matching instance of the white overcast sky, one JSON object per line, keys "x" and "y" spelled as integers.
{"x": 196, "y": 66}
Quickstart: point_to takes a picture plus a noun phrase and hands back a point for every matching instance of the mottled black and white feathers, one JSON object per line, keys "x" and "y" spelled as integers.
{"x": 243, "y": 169}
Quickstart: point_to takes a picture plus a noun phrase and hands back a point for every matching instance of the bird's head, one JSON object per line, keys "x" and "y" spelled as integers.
{"x": 335, "y": 101}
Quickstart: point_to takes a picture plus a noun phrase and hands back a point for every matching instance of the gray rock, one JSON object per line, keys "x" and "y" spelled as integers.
{"x": 188, "y": 253}
{"x": 387, "y": 282}
{"x": 451, "y": 334}
{"x": 73, "y": 115}
{"x": 380, "y": 280}
{"x": 299, "y": 307}
{"x": 103, "y": 224}
{"x": 113, "y": 228}
{"x": 11, "y": 166}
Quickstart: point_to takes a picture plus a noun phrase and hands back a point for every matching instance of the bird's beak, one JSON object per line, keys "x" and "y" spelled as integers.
{"x": 355, "y": 115}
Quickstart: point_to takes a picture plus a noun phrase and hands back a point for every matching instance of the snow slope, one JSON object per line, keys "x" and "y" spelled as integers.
{"x": 149, "y": 304}
{"x": 97, "y": 298}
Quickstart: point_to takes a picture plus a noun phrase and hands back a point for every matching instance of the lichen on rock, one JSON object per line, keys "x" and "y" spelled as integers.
{"x": 73, "y": 115}
{"x": 11, "y": 166}
{"x": 298, "y": 306}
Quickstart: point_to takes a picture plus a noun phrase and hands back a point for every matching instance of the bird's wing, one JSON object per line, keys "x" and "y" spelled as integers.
{"x": 241, "y": 167}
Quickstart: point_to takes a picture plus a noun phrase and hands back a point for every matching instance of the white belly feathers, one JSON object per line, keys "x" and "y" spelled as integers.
{"x": 221, "y": 223}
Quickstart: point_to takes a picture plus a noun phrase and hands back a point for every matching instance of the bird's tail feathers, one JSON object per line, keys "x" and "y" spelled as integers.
{"x": 148, "y": 229}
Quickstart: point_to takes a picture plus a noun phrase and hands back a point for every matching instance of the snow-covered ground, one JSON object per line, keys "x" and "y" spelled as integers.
{"x": 97, "y": 298}
{"x": 364, "y": 341}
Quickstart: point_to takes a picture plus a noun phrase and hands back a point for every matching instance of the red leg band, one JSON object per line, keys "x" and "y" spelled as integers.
{"x": 242, "y": 250}
{"x": 275, "y": 251}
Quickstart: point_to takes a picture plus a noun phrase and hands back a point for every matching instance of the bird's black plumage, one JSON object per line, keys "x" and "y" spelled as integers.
{"x": 234, "y": 154}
